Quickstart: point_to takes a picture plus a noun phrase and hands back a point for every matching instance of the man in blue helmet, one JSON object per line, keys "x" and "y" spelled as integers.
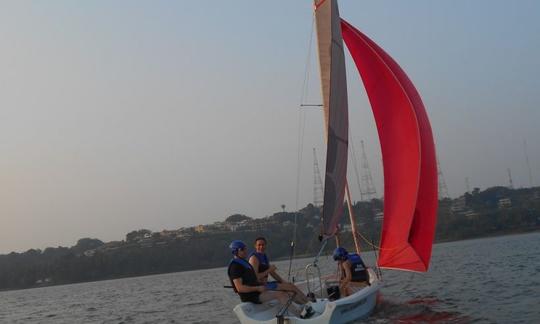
{"x": 352, "y": 269}
{"x": 246, "y": 284}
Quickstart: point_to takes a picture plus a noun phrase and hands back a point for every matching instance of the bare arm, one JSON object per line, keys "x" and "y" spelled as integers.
{"x": 241, "y": 288}
{"x": 261, "y": 276}
{"x": 275, "y": 275}
{"x": 255, "y": 264}
{"x": 348, "y": 276}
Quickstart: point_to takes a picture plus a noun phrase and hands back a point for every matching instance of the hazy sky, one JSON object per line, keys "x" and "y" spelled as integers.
{"x": 123, "y": 115}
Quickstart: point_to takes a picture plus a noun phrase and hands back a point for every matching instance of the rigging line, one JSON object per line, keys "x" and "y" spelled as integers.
{"x": 301, "y": 132}
{"x": 375, "y": 246}
{"x": 368, "y": 242}
{"x": 302, "y": 117}
{"x": 316, "y": 260}
{"x": 355, "y": 162}
{"x": 305, "y": 82}
{"x": 285, "y": 307}
{"x": 353, "y": 151}
{"x": 377, "y": 268}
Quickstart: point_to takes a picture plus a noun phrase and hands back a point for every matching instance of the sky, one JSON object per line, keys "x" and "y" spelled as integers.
{"x": 116, "y": 116}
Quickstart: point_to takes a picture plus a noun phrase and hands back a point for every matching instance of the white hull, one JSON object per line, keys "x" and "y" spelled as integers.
{"x": 354, "y": 307}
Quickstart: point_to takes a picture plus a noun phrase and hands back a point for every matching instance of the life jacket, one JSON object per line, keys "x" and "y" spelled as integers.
{"x": 358, "y": 268}
{"x": 249, "y": 278}
{"x": 264, "y": 264}
{"x": 241, "y": 262}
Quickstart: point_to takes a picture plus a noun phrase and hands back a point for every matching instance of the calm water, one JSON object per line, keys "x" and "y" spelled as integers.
{"x": 493, "y": 280}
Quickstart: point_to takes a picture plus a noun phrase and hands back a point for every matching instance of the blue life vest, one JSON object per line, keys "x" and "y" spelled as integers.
{"x": 241, "y": 262}
{"x": 264, "y": 264}
{"x": 249, "y": 278}
{"x": 358, "y": 268}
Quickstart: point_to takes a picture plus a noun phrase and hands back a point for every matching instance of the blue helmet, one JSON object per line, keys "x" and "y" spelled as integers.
{"x": 236, "y": 245}
{"x": 340, "y": 254}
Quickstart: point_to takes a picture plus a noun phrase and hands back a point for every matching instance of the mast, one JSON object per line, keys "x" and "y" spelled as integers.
{"x": 352, "y": 219}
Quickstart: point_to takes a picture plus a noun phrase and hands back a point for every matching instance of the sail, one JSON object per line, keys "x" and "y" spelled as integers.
{"x": 336, "y": 120}
{"x": 410, "y": 174}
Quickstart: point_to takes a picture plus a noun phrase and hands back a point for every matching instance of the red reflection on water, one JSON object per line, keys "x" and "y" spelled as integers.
{"x": 417, "y": 310}
{"x": 425, "y": 301}
{"x": 433, "y": 317}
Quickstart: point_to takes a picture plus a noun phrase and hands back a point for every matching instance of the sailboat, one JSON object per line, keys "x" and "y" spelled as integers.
{"x": 409, "y": 162}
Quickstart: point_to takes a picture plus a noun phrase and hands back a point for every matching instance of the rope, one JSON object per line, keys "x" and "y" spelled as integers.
{"x": 377, "y": 269}
{"x": 308, "y": 63}
{"x": 353, "y": 151}
{"x": 301, "y": 132}
{"x": 355, "y": 162}
{"x": 367, "y": 241}
{"x": 302, "y": 117}
{"x": 316, "y": 260}
{"x": 375, "y": 246}
{"x": 285, "y": 307}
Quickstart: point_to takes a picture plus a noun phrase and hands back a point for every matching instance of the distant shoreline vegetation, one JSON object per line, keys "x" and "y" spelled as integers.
{"x": 494, "y": 211}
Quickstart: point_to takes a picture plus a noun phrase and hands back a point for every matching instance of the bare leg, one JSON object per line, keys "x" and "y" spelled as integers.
{"x": 300, "y": 298}
{"x": 281, "y": 296}
{"x": 351, "y": 288}
{"x": 356, "y": 286}
{"x": 272, "y": 294}
{"x": 343, "y": 291}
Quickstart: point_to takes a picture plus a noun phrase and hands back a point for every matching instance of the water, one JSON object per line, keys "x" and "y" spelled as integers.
{"x": 492, "y": 280}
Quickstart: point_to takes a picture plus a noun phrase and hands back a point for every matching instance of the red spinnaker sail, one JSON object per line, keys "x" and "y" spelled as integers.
{"x": 410, "y": 172}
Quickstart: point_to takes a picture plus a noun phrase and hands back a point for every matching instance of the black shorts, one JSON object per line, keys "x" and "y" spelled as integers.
{"x": 251, "y": 297}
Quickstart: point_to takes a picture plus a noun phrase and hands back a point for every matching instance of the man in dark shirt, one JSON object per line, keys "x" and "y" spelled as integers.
{"x": 242, "y": 276}
{"x": 245, "y": 283}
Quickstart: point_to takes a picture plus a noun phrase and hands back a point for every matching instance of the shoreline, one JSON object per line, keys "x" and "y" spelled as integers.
{"x": 509, "y": 233}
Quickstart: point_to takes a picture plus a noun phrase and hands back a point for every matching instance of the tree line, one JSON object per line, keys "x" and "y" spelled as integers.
{"x": 474, "y": 214}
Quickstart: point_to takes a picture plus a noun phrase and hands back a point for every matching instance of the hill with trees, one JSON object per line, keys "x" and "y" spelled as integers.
{"x": 494, "y": 211}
